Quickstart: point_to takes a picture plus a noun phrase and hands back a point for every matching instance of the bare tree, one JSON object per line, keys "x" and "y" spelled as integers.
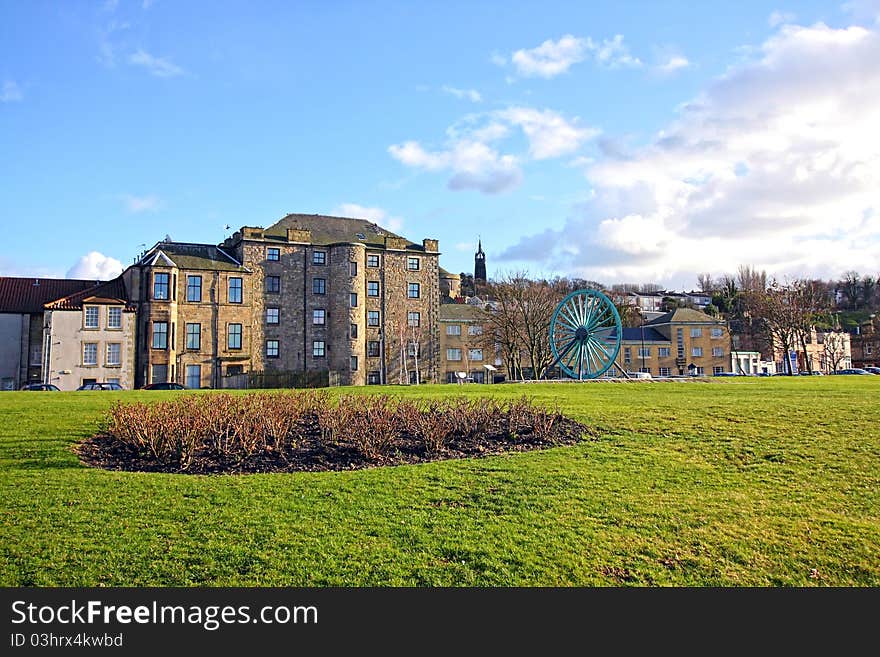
{"x": 835, "y": 350}
{"x": 850, "y": 286}
{"x": 778, "y": 310}
{"x": 750, "y": 279}
{"x": 416, "y": 335}
{"x": 705, "y": 283}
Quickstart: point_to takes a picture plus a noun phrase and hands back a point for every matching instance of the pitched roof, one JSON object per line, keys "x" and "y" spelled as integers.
{"x": 111, "y": 292}
{"x": 187, "y": 255}
{"x": 332, "y": 230}
{"x": 636, "y": 335}
{"x": 448, "y": 274}
{"x": 684, "y": 316}
{"x": 29, "y": 295}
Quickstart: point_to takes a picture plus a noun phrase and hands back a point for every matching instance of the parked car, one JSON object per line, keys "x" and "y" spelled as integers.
{"x": 872, "y": 370}
{"x": 101, "y": 385}
{"x": 813, "y": 373}
{"x": 639, "y": 375}
{"x": 41, "y": 386}
{"x": 728, "y": 374}
{"x": 164, "y": 386}
{"x": 853, "y": 370}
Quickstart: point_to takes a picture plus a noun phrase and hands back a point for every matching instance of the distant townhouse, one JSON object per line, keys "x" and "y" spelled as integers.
{"x": 466, "y": 352}
{"x": 865, "y": 343}
{"x": 28, "y": 336}
{"x": 678, "y": 343}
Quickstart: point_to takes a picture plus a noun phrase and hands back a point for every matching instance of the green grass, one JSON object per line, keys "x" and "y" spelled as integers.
{"x": 738, "y": 482}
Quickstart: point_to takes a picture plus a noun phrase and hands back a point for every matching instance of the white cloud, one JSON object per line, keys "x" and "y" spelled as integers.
{"x": 780, "y": 18}
{"x": 10, "y": 92}
{"x": 374, "y": 214}
{"x": 467, "y": 247}
{"x": 613, "y": 53}
{"x": 135, "y": 204}
{"x": 775, "y": 164}
{"x": 95, "y": 266}
{"x": 161, "y": 67}
{"x": 549, "y": 133}
{"x": 498, "y": 59}
{"x": 672, "y": 63}
{"x": 470, "y": 94}
{"x": 551, "y": 58}
{"x": 473, "y": 160}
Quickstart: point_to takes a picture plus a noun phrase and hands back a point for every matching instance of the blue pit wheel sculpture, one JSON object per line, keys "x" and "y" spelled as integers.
{"x": 585, "y": 334}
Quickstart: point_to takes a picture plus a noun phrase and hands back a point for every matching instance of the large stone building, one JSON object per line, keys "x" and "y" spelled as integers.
{"x": 309, "y": 293}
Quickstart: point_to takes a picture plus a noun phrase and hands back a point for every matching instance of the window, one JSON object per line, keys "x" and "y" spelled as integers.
{"x": 233, "y": 336}
{"x": 319, "y": 316}
{"x": 372, "y": 318}
{"x": 91, "y": 317}
{"x": 90, "y": 353}
{"x": 372, "y": 260}
{"x": 318, "y": 348}
{"x": 319, "y": 286}
{"x": 717, "y": 370}
{"x": 273, "y": 253}
{"x": 627, "y": 355}
{"x": 373, "y": 348}
{"x": 372, "y": 288}
{"x": 696, "y": 332}
{"x": 475, "y": 354}
{"x": 412, "y": 290}
{"x": 696, "y": 351}
{"x": 319, "y": 257}
{"x": 194, "y": 288}
{"x": 354, "y": 363}
{"x": 644, "y": 352}
{"x": 453, "y": 329}
{"x": 114, "y": 317}
{"x": 271, "y": 348}
{"x": 271, "y": 315}
{"x": 475, "y": 330}
{"x": 273, "y": 284}
{"x": 664, "y": 371}
{"x": 194, "y": 337}
{"x": 412, "y": 349}
{"x": 114, "y": 354}
{"x": 160, "y": 286}
{"x": 453, "y": 354}
{"x": 717, "y": 352}
{"x": 160, "y": 335}
{"x": 679, "y": 339}
{"x": 413, "y": 318}
{"x": 353, "y": 269}
{"x": 412, "y": 263}
{"x": 37, "y": 354}
{"x": 113, "y": 379}
{"x": 700, "y": 371}
{"x": 478, "y": 377}
{"x": 353, "y": 331}
{"x": 193, "y": 376}
{"x": 234, "y": 294}
{"x": 353, "y": 299}
{"x": 646, "y": 370}
{"x": 662, "y": 352}
{"x": 717, "y": 332}
{"x": 373, "y": 378}
{"x": 451, "y": 378}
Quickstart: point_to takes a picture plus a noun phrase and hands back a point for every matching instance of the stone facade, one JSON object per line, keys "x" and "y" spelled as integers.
{"x": 341, "y": 304}
{"x": 464, "y": 345}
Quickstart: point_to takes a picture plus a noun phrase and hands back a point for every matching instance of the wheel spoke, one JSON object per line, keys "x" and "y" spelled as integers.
{"x": 566, "y": 312}
{"x": 580, "y": 362}
{"x": 566, "y": 321}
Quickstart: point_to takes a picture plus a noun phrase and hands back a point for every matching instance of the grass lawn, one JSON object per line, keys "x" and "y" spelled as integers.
{"x": 753, "y": 482}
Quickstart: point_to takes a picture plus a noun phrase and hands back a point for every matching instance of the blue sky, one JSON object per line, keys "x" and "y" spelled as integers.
{"x": 639, "y": 142}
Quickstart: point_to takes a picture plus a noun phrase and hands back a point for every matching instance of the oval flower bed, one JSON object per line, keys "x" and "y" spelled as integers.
{"x": 306, "y": 430}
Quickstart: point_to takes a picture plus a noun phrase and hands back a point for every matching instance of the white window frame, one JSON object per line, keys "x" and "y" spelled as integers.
{"x": 453, "y": 354}
{"x": 696, "y": 352}
{"x": 319, "y": 349}
{"x": 107, "y": 359}
{"x": 276, "y": 315}
{"x": 273, "y": 345}
{"x": 319, "y": 313}
{"x": 696, "y": 332}
{"x": 475, "y": 354}
{"x": 718, "y": 352}
{"x": 114, "y": 312}
{"x": 94, "y": 312}
{"x": 453, "y": 329}
{"x": 90, "y": 348}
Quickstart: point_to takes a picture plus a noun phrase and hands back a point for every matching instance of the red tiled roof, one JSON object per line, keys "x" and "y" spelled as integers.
{"x": 29, "y": 295}
{"x": 109, "y": 292}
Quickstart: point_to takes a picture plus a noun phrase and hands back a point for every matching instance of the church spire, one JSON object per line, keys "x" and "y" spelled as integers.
{"x": 480, "y": 262}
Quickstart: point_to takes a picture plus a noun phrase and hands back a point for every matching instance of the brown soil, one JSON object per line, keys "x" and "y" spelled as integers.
{"x": 314, "y": 455}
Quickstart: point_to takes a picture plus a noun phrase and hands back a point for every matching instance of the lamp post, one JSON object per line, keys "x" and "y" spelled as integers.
{"x": 642, "y": 328}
